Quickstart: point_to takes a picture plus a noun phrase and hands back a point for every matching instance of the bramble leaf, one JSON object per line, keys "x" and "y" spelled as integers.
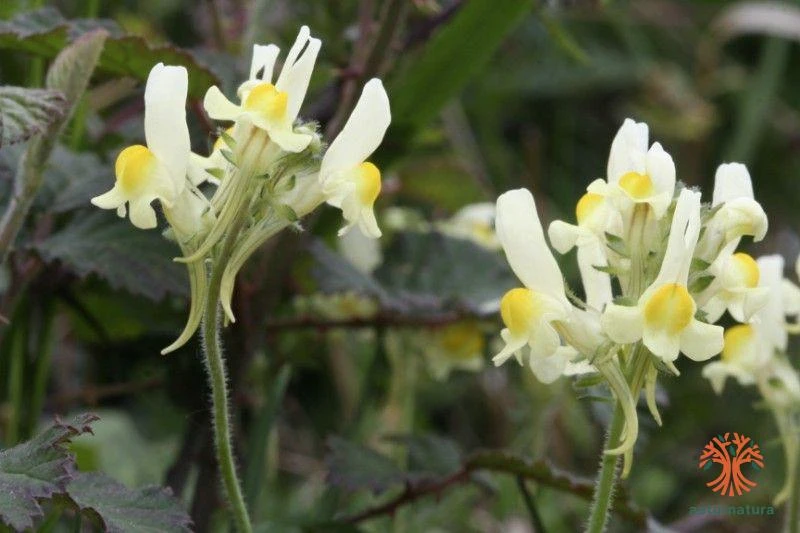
{"x": 45, "y": 32}
{"x": 37, "y": 469}
{"x": 127, "y": 258}
{"x": 119, "y": 508}
{"x": 353, "y": 466}
{"x": 27, "y": 112}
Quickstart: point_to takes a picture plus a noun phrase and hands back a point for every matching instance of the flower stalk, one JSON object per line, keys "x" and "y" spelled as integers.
{"x": 218, "y": 381}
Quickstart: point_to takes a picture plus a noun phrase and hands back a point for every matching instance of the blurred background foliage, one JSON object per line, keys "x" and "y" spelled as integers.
{"x": 340, "y": 413}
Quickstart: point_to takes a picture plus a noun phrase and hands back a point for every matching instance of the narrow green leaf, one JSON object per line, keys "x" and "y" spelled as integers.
{"x": 452, "y": 57}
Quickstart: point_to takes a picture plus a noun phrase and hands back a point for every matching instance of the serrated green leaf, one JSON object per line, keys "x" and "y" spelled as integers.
{"x": 127, "y": 258}
{"x": 430, "y": 456}
{"x": 353, "y": 467}
{"x": 334, "y": 274}
{"x": 37, "y": 469}
{"x": 120, "y": 509}
{"x": 46, "y": 32}
{"x": 27, "y": 112}
{"x": 434, "y": 270}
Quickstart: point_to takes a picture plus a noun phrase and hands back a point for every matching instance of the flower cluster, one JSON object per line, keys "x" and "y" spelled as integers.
{"x": 267, "y": 170}
{"x": 671, "y": 258}
{"x": 755, "y": 353}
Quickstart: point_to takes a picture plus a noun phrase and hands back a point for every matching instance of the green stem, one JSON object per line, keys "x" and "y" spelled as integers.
{"x": 606, "y": 477}
{"x": 212, "y": 347}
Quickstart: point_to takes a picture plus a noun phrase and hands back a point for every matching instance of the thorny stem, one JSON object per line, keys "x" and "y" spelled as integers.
{"x": 212, "y": 348}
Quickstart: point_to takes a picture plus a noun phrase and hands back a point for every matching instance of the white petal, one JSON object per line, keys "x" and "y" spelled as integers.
{"x": 264, "y": 57}
{"x": 286, "y": 138}
{"x": 111, "y": 199}
{"x": 294, "y": 52}
{"x": 165, "y": 119}
{"x": 363, "y": 132}
{"x": 662, "y": 344}
{"x": 627, "y": 150}
{"x": 714, "y": 309}
{"x": 623, "y": 324}
{"x": 732, "y": 180}
{"x": 596, "y": 284}
{"x": 368, "y": 224}
{"x": 772, "y": 315}
{"x": 716, "y": 372}
{"x": 544, "y": 341}
{"x": 752, "y": 302}
{"x": 219, "y": 107}
{"x": 661, "y": 170}
{"x": 512, "y": 347}
{"x": 791, "y": 298}
{"x": 549, "y": 368}
{"x": 142, "y": 214}
{"x": 683, "y": 235}
{"x": 701, "y": 341}
{"x": 563, "y": 236}
{"x": 296, "y": 74}
{"x": 522, "y": 237}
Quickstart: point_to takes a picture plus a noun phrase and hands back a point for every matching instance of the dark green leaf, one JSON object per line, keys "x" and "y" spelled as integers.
{"x": 430, "y": 456}
{"x": 127, "y": 258}
{"x": 352, "y": 467}
{"x": 120, "y": 509}
{"x": 37, "y": 469}
{"x": 45, "y": 32}
{"x": 27, "y": 112}
{"x": 334, "y": 274}
{"x": 431, "y": 269}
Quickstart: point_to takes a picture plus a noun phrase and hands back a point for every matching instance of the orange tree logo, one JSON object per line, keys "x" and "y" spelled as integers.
{"x": 732, "y": 452}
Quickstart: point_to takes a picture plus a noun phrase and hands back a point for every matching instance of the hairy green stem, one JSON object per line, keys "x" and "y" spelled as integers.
{"x": 215, "y": 365}
{"x": 606, "y": 477}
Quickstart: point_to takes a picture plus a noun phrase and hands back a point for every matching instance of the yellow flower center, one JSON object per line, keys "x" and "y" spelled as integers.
{"x": 746, "y": 270}
{"x": 638, "y": 186}
{"x": 586, "y": 206}
{"x": 737, "y": 341}
{"x": 266, "y": 99}
{"x": 669, "y": 309}
{"x": 134, "y": 168}
{"x": 462, "y": 341}
{"x": 518, "y": 309}
{"x": 369, "y": 183}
